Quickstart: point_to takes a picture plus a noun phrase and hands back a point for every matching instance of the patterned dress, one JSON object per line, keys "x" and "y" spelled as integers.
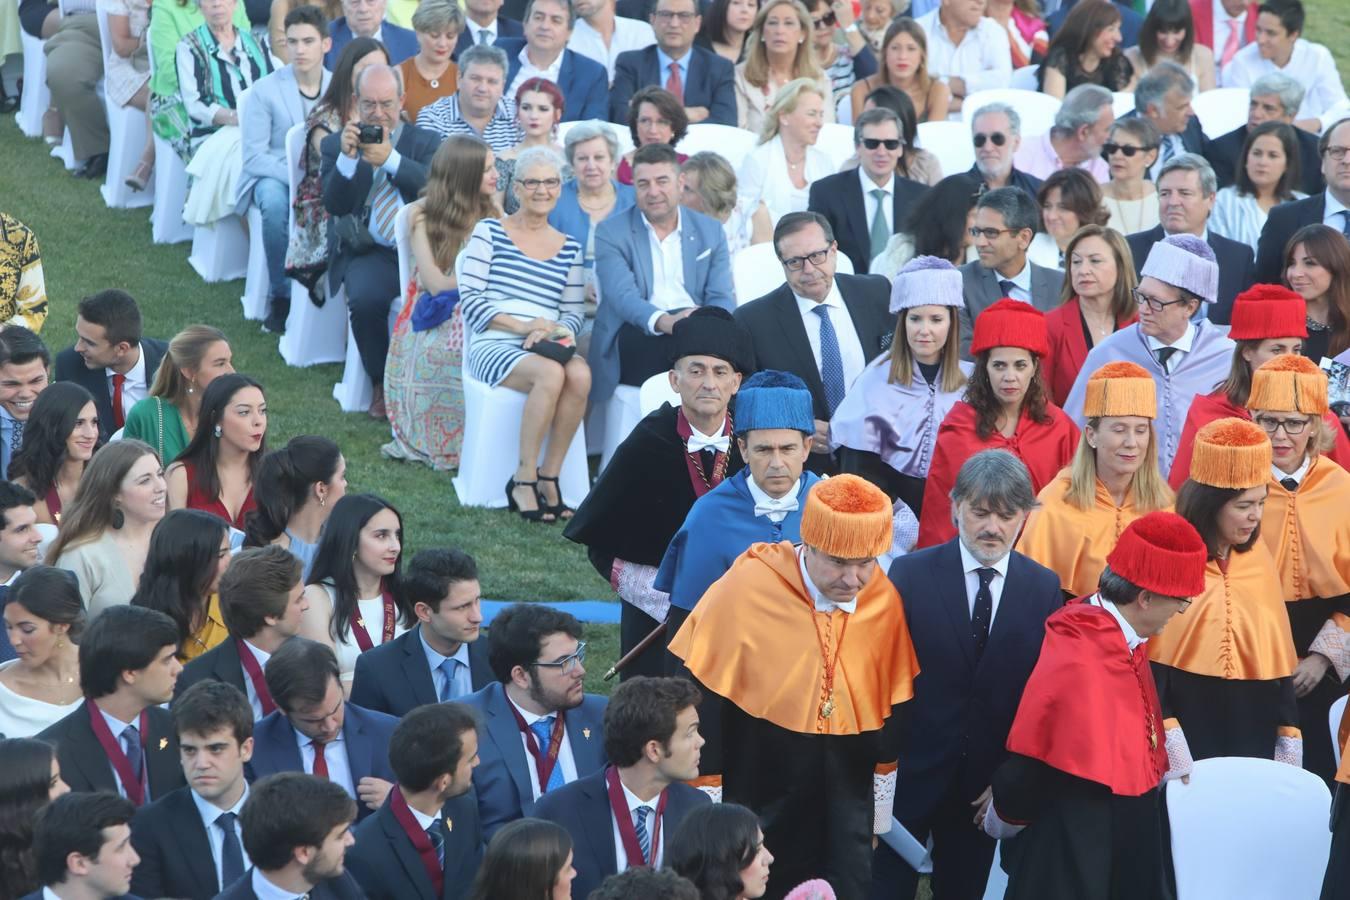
{"x": 23, "y": 292}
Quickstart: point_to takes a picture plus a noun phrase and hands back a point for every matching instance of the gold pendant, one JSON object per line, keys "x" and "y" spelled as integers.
{"x": 827, "y": 708}
{"x": 1152, "y": 738}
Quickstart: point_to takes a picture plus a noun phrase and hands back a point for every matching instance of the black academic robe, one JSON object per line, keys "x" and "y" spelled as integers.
{"x": 635, "y": 507}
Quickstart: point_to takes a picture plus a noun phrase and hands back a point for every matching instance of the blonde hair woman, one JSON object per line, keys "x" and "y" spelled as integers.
{"x": 1112, "y": 480}
{"x": 710, "y": 188}
{"x": 167, "y": 418}
{"x": 780, "y": 170}
{"x": 780, "y": 52}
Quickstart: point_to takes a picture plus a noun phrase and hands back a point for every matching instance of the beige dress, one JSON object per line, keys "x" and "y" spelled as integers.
{"x": 753, "y": 102}
{"x": 1132, "y": 216}
{"x": 102, "y": 573}
{"x": 125, "y": 75}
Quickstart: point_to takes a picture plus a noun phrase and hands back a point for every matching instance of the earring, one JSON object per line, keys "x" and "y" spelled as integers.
{"x": 216, "y": 431}
{"x": 118, "y": 519}
{"x": 323, "y": 501}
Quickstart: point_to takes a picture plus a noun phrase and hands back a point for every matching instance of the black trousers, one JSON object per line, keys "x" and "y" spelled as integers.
{"x": 642, "y": 355}
{"x": 962, "y": 853}
{"x": 371, "y": 283}
{"x": 871, "y": 466}
{"x": 634, "y": 625}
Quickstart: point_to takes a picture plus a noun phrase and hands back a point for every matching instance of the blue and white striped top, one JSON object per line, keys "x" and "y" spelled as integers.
{"x": 496, "y": 278}
{"x": 443, "y": 117}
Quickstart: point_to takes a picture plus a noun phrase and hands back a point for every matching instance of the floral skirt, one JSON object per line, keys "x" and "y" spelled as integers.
{"x": 424, "y": 390}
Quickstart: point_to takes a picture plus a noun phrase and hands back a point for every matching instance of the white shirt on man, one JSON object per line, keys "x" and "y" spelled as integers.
{"x": 620, "y": 854}
{"x": 1310, "y": 64}
{"x": 971, "y": 566}
{"x": 266, "y": 890}
{"x": 629, "y": 34}
{"x": 850, "y": 347}
{"x": 215, "y": 837}
{"x": 982, "y": 60}
{"x": 1223, "y": 24}
{"x": 334, "y": 756}
{"x": 262, "y": 656}
{"x": 529, "y": 70}
{"x": 564, "y": 761}
{"x": 135, "y": 388}
{"x": 117, "y": 727}
{"x": 1182, "y": 345}
{"x": 1132, "y": 638}
{"x": 475, "y": 29}
{"x": 775, "y": 509}
{"x": 1333, "y": 213}
{"x": 870, "y": 201}
{"x": 820, "y": 601}
{"x": 668, "y": 291}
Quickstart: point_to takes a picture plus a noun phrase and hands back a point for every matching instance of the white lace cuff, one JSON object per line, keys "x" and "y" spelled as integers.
{"x": 1331, "y": 643}
{"x": 1289, "y": 750}
{"x": 1179, "y": 759}
{"x": 996, "y": 827}
{"x": 633, "y": 584}
{"x": 883, "y": 797}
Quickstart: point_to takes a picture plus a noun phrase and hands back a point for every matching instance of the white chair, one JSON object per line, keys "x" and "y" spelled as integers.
{"x": 166, "y": 218}
{"x": 1122, "y": 102}
{"x": 1334, "y": 720}
{"x": 35, "y": 98}
{"x": 1024, "y": 79}
{"x": 257, "y": 284}
{"x": 756, "y": 270}
{"x": 220, "y": 250}
{"x": 354, "y": 392}
{"x": 403, "y": 244}
{"x": 621, "y": 134}
{"x": 843, "y": 108}
{"x": 732, "y": 144}
{"x": 837, "y": 142}
{"x": 950, "y": 143}
{"x": 1249, "y": 828}
{"x": 126, "y": 139}
{"x": 314, "y": 334}
{"x": 1221, "y": 110}
{"x": 1036, "y": 109}
{"x": 622, "y": 413}
{"x": 655, "y": 391}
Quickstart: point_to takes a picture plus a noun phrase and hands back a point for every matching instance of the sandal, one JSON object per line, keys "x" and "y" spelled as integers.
{"x": 139, "y": 178}
{"x": 559, "y": 511}
{"x": 529, "y": 515}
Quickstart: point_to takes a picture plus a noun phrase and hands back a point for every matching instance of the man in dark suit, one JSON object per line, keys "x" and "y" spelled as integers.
{"x": 484, "y": 24}
{"x": 442, "y": 658}
{"x": 262, "y": 602}
{"x": 121, "y": 740}
{"x": 66, "y": 830}
{"x": 976, "y": 610}
{"x": 700, "y": 79}
{"x": 822, "y": 327}
{"x": 1328, "y": 207}
{"x": 19, "y": 542}
{"x": 365, "y": 18}
{"x": 996, "y": 133}
{"x": 1005, "y": 223}
{"x": 867, "y": 205}
{"x": 543, "y": 53}
{"x": 189, "y": 840}
{"x": 314, "y": 730}
{"x": 297, "y": 829}
{"x": 1275, "y": 97}
{"x": 1163, "y": 96}
{"x": 539, "y": 660}
{"x": 652, "y": 739}
{"x": 425, "y": 843}
{"x": 364, "y": 186}
{"x": 110, "y": 358}
{"x": 1186, "y": 188}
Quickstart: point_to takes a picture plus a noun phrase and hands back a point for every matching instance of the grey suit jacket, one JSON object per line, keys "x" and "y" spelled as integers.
{"x": 273, "y": 106}
{"x": 980, "y": 286}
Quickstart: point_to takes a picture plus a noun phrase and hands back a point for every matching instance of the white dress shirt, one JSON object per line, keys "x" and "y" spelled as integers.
{"x": 983, "y": 60}
{"x": 424, "y": 821}
{"x": 970, "y": 565}
{"x": 763, "y": 176}
{"x": 1223, "y": 24}
{"x": 822, "y": 603}
{"x": 565, "y": 760}
{"x": 1311, "y": 65}
{"x": 1021, "y": 282}
{"x": 629, "y": 34}
{"x": 117, "y": 726}
{"x": 266, "y": 890}
{"x": 529, "y": 70}
{"x": 870, "y": 202}
{"x": 850, "y": 347}
{"x": 697, "y": 441}
{"x": 1132, "y": 638}
{"x": 775, "y": 509}
{"x": 620, "y": 854}
{"x": 475, "y": 28}
{"x": 262, "y": 657}
{"x": 135, "y": 387}
{"x": 335, "y": 755}
{"x": 668, "y": 290}
{"x": 1333, "y": 213}
{"x": 215, "y": 837}
{"x": 1298, "y": 474}
{"x": 1181, "y": 345}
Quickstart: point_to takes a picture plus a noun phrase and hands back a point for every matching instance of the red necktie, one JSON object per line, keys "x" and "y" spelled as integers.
{"x": 673, "y": 83}
{"x": 320, "y": 764}
{"x": 119, "y": 419}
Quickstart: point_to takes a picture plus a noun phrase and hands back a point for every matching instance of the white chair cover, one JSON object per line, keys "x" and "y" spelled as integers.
{"x": 35, "y": 99}
{"x": 623, "y": 413}
{"x": 655, "y": 391}
{"x": 126, "y": 132}
{"x": 950, "y": 143}
{"x": 1122, "y": 102}
{"x": 1036, "y": 109}
{"x": 732, "y": 144}
{"x": 755, "y": 271}
{"x": 1024, "y": 79}
{"x": 836, "y": 141}
{"x": 1221, "y": 110}
{"x": 166, "y": 219}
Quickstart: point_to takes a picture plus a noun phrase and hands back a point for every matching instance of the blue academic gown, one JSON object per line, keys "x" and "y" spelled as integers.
{"x": 721, "y": 526}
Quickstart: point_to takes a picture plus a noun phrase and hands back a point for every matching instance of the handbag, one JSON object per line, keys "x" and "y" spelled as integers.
{"x": 560, "y": 350}
{"x": 307, "y": 247}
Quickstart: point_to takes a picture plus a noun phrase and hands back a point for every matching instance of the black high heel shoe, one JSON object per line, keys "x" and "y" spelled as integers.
{"x": 529, "y": 515}
{"x": 561, "y": 511}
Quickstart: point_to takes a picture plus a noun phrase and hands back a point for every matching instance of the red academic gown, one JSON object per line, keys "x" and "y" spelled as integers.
{"x": 1045, "y": 449}
{"x": 1068, "y": 349}
{"x": 1205, "y": 408}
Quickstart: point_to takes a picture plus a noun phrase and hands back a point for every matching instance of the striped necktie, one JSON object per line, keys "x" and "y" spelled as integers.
{"x": 384, "y": 206}
{"x": 644, "y": 837}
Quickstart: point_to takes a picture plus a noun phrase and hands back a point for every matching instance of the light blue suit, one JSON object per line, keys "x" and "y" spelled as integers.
{"x": 501, "y": 778}
{"x": 623, "y": 271}
{"x": 274, "y": 106}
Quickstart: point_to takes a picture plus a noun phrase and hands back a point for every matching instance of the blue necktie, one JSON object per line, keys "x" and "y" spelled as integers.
{"x": 543, "y": 731}
{"x": 231, "y": 854}
{"x": 1345, "y": 226}
{"x": 1006, "y": 286}
{"x": 132, "y": 740}
{"x": 448, "y": 668}
{"x": 644, "y": 837}
{"x": 831, "y": 360}
{"x": 437, "y": 840}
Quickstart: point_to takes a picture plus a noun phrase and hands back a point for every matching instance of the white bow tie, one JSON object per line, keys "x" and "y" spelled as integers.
{"x": 697, "y": 442}
{"x": 770, "y": 505}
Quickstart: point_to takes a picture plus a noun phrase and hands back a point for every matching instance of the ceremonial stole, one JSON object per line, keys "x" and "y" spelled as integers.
{"x": 624, "y": 817}
{"x": 255, "y": 675}
{"x": 702, "y": 481}
{"x": 543, "y": 761}
{"x": 426, "y": 852}
{"x": 359, "y": 624}
{"x": 134, "y": 786}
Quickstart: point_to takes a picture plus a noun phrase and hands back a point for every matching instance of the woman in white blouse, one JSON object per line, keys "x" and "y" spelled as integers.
{"x": 778, "y": 52}
{"x": 355, "y": 600}
{"x": 44, "y": 615}
{"x": 780, "y": 170}
{"x": 1265, "y": 175}
{"x": 1132, "y": 201}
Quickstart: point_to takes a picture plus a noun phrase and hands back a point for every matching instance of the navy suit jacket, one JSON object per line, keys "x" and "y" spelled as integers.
{"x": 839, "y": 198}
{"x": 394, "y": 678}
{"x": 502, "y": 779}
{"x": 175, "y": 852}
{"x": 956, "y": 726}
{"x": 583, "y": 82}
{"x": 582, "y": 808}
{"x": 220, "y": 663}
{"x": 70, "y": 367}
{"x": 1283, "y": 221}
{"x": 365, "y": 732}
{"x": 6, "y": 648}
{"x": 399, "y": 41}
{"x": 85, "y": 767}
{"x": 37, "y": 895}
{"x": 711, "y": 83}
{"x": 1236, "y": 270}
{"x": 344, "y": 887}
{"x": 506, "y": 28}
{"x": 386, "y": 865}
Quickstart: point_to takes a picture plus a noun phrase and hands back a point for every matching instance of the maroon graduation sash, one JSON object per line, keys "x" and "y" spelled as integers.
{"x": 624, "y": 817}
{"x": 543, "y": 762}
{"x": 135, "y": 787}
{"x": 359, "y": 624}
{"x": 702, "y": 481}
{"x": 255, "y": 675}
{"x": 426, "y": 851}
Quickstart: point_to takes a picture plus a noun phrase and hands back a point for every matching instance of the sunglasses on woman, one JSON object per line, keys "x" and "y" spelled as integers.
{"x": 826, "y": 21}
{"x": 1109, "y": 150}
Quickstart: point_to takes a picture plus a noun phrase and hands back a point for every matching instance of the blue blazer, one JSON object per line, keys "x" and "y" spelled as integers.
{"x": 501, "y": 778}
{"x": 386, "y": 865}
{"x": 711, "y": 83}
{"x": 365, "y": 732}
{"x": 399, "y": 41}
{"x": 583, "y": 82}
{"x": 394, "y": 678}
{"x": 505, "y": 28}
{"x": 956, "y": 726}
{"x": 274, "y": 105}
{"x": 175, "y": 852}
{"x": 623, "y": 271}
{"x": 573, "y": 221}
{"x": 582, "y": 808}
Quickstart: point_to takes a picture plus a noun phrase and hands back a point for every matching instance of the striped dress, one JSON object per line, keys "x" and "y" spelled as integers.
{"x": 498, "y": 279}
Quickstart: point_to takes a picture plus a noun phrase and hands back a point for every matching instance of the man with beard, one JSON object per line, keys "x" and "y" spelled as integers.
{"x": 424, "y": 843}
{"x": 674, "y": 456}
{"x": 540, "y": 729}
{"x": 297, "y": 829}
